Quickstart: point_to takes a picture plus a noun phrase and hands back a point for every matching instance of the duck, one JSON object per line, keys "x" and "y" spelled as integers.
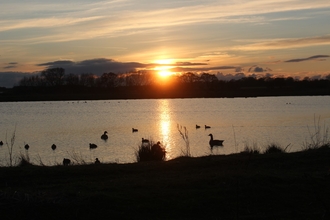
{"x": 215, "y": 142}
{"x": 26, "y": 146}
{"x": 104, "y": 136}
{"x": 1, "y": 143}
{"x": 134, "y": 130}
{"x": 53, "y": 147}
{"x": 197, "y": 126}
{"x": 145, "y": 140}
{"x": 92, "y": 146}
{"x": 206, "y": 126}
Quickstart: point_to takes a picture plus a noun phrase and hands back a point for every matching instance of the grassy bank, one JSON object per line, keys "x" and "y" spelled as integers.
{"x": 238, "y": 186}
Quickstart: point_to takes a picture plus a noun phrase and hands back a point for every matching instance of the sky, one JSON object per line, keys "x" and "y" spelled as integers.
{"x": 227, "y": 38}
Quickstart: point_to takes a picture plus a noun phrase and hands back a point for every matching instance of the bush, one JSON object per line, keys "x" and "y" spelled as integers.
{"x": 273, "y": 148}
{"x": 249, "y": 150}
{"x": 150, "y": 152}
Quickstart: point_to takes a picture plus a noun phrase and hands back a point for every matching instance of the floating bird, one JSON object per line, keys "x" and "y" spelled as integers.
{"x": 134, "y": 130}
{"x": 53, "y": 147}
{"x": 1, "y": 143}
{"x": 215, "y": 142}
{"x": 145, "y": 140}
{"x": 104, "y": 136}
{"x": 26, "y": 146}
{"x": 66, "y": 162}
{"x": 92, "y": 146}
{"x": 206, "y": 126}
{"x": 197, "y": 126}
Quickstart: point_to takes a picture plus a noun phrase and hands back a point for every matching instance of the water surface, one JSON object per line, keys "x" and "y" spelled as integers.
{"x": 72, "y": 125}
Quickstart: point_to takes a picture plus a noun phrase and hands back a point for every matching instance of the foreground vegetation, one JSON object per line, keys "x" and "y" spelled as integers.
{"x": 238, "y": 186}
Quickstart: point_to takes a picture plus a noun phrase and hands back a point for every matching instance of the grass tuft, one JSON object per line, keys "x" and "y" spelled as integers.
{"x": 274, "y": 148}
{"x": 150, "y": 152}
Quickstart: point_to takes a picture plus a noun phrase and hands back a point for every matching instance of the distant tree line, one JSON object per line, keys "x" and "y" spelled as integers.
{"x": 146, "y": 84}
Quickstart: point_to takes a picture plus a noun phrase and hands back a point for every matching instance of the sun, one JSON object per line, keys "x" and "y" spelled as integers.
{"x": 164, "y": 68}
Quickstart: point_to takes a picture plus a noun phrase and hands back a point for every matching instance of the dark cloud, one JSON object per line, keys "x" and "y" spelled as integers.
{"x": 189, "y": 64}
{"x": 316, "y": 57}
{"x": 202, "y": 69}
{"x": 10, "y": 79}
{"x": 257, "y": 69}
{"x": 10, "y": 65}
{"x": 95, "y": 66}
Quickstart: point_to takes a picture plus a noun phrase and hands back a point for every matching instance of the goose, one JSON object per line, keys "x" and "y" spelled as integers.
{"x": 104, "y": 136}
{"x": 134, "y": 130}
{"x": 92, "y": 146}
{"x": 53, "y": 147}
{"x": 1, "y": 143}
{"x": 97, "y": 161}
{"x": 197, "y": 126}
{"x": 215, "y": 142}
{"x": 206, "y": 126}
{"x": 26, "y": 146}
{"x": 66, "y": 162}
{"x": 145, "y": 140}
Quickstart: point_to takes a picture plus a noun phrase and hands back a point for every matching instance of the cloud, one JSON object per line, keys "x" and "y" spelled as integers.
{"x": 277, "y": 44}
{"x": 257, "y": 69}
{"x": 10, "y": 79}
{"x": 316, "y": 57}
{"x": 96, "y": 66}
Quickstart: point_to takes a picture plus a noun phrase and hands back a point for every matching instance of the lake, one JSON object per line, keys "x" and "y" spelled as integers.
{"x": 240, "y": 122}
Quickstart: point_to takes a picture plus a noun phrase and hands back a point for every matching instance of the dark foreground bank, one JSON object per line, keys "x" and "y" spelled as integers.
{"x": 238, "y": 186}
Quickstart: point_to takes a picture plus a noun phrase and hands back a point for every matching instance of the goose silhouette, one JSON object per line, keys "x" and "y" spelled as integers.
{"x": 53, "y": 147}
{"x": 197, "y": 126}
{"x": 145, "y": 140}
{"x": 1, "y": 143}
{"x": 213, "y": 142}
{"x": 104, "y": 136}
{"x": 206, "y": 126}
{"x": 134, "y": 130}
{"x": 26, "y": 146}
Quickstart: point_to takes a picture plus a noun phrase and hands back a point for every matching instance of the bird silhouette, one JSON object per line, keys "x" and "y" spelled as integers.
{"x": 197, "y": 126}
{"x": 104, "y": 136}
{"x": 92, "y": 146}
{"x": 145, "y": 140}
{"x": 53, "y": 147}
{"x": 26, "y": 146}
{"x": 206, "y": 126}
{"x": 213, "y": 142}
{"x": 134, "y": 130}
{"x": 1, "y": 143}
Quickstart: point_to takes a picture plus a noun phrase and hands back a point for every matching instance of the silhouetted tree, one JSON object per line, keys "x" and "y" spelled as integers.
{"x": 71, "y": 79}
{"x": 108, "y": 80}
{"x": 53, "y": 76}
{"x": 87, "y": 79}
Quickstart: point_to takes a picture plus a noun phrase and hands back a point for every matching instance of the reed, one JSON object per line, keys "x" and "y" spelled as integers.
{"x": 318, "y": 135}
{"x": 183, "y": 131}
{"x": 150, "y": 152}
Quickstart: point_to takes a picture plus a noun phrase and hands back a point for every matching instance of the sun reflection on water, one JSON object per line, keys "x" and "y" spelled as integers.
{"x": 164, "y": 125}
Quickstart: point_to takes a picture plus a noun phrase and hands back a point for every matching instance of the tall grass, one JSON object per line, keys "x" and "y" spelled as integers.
{"x": 150, "y": 152}
{"x": 184, "y": 134}
{"x": 318, "y": 135}
{"x": 10, "y": 146}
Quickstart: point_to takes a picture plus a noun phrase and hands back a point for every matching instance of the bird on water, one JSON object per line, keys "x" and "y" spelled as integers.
{"x": 213, "y": 142}
{"x": 134, "y": 130}
{"x": 53, "y": 147}
{"x": 206, "y": 126}
{"x": 92, "y": 146}
{"x": 104, "y": 136}
{"x": 197, "y": 126}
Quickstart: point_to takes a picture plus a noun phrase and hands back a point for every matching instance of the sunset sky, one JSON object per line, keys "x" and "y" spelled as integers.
{"x": 281, "y": 38}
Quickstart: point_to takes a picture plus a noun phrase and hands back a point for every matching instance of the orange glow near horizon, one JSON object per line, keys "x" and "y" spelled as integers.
{"x": 164, "y": 69}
